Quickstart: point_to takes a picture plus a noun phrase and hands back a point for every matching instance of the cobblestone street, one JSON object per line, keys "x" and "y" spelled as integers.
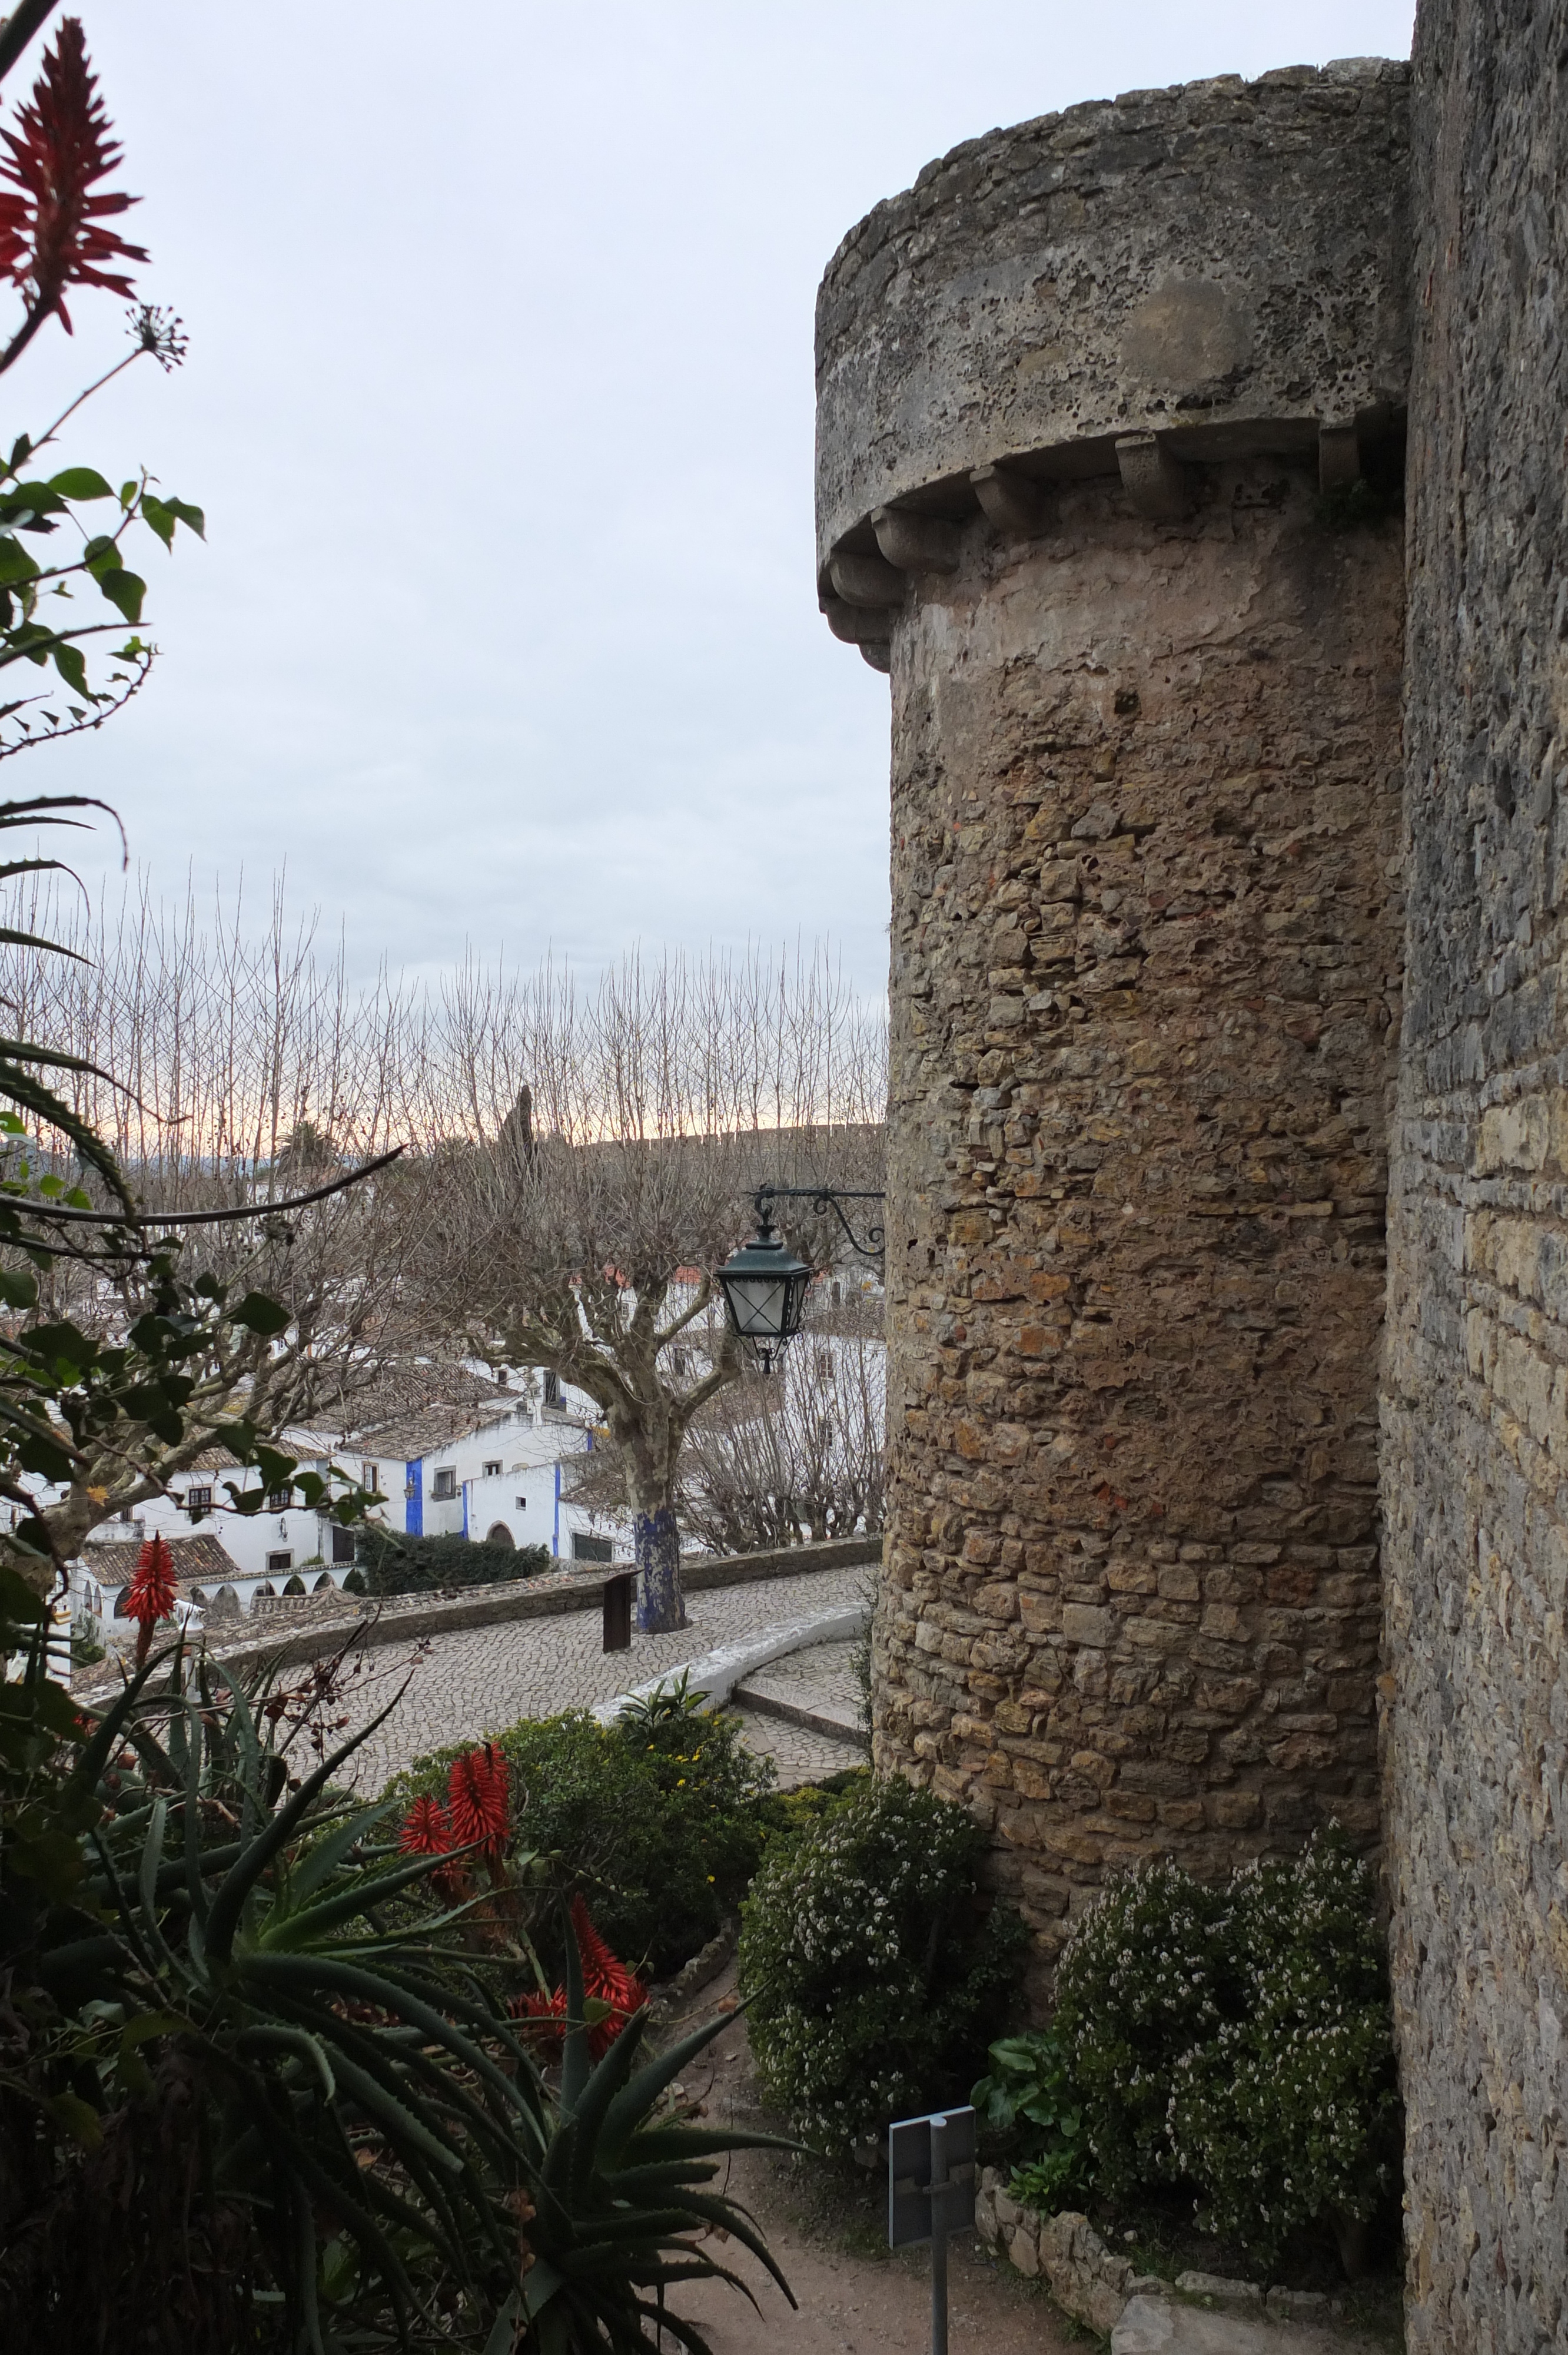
{"x": 463, "y": 1687}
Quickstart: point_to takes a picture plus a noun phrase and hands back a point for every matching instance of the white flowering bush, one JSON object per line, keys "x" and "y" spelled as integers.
{"x": 1238, "y": 2041}
{"x": 1289, "y": 2114}
{"x": 876, "y": 1968}
{"x": 1147, "y": 1977}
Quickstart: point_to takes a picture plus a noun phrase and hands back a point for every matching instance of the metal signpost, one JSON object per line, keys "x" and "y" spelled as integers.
{"x": 930, "y": 2193}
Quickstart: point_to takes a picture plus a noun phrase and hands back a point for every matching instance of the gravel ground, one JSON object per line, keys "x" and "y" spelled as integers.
{"x": 461, "y": 1688}
{"x": 853, "y": 2298}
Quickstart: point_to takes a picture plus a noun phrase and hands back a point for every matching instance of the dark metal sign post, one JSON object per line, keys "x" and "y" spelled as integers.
{"x": 930, "y": 2193}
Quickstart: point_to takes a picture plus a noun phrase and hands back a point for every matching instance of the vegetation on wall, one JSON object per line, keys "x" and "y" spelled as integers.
{"x": 388, "y": 1563}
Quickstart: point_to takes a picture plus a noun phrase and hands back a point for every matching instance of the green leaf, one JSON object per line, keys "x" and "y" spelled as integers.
{"x": 80, "y": 482}
{"x": 260, "y": 1315}
{"x": 71, "y": 666}
{"x": 156, "y": 516}
{"x": 79, "y": 2118}
{"x": 125, "y": 591}
{"x": 192, "y": 517}
{"x": 16, "y": 564}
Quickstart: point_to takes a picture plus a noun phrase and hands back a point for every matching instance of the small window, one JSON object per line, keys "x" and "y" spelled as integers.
{"x": 552, "y": 1387}
{"x": 520, "y": 1504}
{"x": 592, "y": 1549}
{"x": 276, "y": 1561}
{"x": 341, "y": 1545}
{"x": 444, "y": 1483}
{"x": 280, "y": 1500}
{"x": 370, "y": 1478}
{"x": 198, "y": 1502}
{"x": 493, "y": 1470}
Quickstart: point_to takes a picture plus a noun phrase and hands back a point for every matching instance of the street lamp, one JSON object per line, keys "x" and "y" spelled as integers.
{"x": 764, "y": 1285}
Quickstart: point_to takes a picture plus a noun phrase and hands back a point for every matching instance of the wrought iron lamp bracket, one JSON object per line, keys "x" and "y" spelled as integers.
{"x": 823, "y": 1198}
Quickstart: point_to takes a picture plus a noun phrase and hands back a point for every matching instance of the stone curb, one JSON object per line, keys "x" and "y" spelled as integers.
{"x": 404, "y": 1618}
{"x": 714, "y": 1675}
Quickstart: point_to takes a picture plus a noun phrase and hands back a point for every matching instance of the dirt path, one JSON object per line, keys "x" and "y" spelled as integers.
{"x": 826, "y": 2232}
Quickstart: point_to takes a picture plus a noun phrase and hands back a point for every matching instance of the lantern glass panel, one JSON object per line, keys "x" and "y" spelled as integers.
{"x": 760, "y": 1305}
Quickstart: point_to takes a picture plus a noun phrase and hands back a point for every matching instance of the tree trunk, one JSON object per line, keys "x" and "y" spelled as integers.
{"x": 656, "y": 1543}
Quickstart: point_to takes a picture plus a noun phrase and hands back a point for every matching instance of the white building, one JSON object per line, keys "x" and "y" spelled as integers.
{"x": 490, "y": 1471}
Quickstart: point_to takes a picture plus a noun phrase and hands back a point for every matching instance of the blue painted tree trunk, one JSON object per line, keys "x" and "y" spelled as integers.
{"x": 656, "y": 1543}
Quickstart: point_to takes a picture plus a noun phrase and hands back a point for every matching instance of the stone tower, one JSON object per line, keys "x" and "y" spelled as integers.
{"x": 1109, "y": 415}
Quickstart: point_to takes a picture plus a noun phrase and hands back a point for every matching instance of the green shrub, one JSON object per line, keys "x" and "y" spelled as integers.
{"x": 390, "y": 1563}
{"x": 1290, "y": 2116}
{"x": 1031, "y": 2093}
{"x": 875, "y": 1966}
{"x": 660, "y": 1822}
{"x": 1147, "y": 1976}
{"x": 1238, "y": 2041}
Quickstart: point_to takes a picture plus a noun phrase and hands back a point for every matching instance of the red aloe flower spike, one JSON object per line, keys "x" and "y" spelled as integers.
{"x": 426, "y": 1831}
{"x": 479, "y": 1801}
{"x": 151, "y": 1593}
{"x": 542, "y": 2016}
{"x": 606, "y": 1978}
{"x": 50, "y": 232}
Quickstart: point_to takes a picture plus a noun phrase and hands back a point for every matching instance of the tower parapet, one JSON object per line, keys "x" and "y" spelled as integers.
{"x": 1109, "y": 410}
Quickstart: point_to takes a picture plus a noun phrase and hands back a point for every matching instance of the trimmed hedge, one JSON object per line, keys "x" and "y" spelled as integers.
{"x": 388, "y": 1563}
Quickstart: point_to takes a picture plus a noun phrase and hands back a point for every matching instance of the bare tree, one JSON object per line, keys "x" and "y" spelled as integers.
{"x": 611, "y": 1137}
{"x": 786, "y": 1458}
{"x": 245, "y": 1068}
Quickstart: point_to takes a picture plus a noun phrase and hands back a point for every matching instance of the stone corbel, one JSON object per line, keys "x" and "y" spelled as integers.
{"x": 1010, "y": 503}
{"x": 1339, "y": 457}
{"x": 857, "y": 626}
{"x": 866, "y": 580}
{"x": 1158, "y": 485}
{"x": 916, "y": 543}
{"x": 878, "y": 653}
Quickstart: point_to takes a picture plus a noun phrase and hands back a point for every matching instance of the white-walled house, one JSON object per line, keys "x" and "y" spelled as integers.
{"x": 492, "y": 1472}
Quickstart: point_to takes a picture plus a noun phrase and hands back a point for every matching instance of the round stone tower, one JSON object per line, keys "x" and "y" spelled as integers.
{"x": 1108, "y": 462}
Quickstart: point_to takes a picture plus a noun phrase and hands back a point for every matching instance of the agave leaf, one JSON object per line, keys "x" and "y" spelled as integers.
{"x": 397, "y": 2116}
{"x": 224, "y": 1919}
{"x": 301, "y": 1973}
{"x": 324, "y": 1859}
{"x": 637, "y": 2098}
{"x": 576, "y": 2061}
{"x": 296, "y": 2039}
{"x": 291, "y": 1931}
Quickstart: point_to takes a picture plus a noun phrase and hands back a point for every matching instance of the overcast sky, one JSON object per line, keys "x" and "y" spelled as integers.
{"x": 499, "y": 402}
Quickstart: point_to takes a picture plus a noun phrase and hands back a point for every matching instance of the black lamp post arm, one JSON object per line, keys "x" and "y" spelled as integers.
{"x": 823, "y": 1198}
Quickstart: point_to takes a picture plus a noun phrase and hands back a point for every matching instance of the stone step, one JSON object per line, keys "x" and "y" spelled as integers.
{"x": 797, "y": 1707}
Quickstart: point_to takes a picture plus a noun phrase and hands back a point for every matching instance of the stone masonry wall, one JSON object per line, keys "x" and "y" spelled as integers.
{"x": 1146, "y": 933}
{"x": 1476, "y": 1422}
{"x": 1080, "y": 393}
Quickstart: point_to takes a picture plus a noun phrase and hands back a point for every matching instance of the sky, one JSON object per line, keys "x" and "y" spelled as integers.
{"x": 499, "y": 402}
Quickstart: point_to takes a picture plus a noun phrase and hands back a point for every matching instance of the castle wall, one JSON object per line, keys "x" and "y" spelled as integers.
{"x": 1146, "y": 796}
{"x": 1079, "y": 392}
{"x": 1476, "y": 1420}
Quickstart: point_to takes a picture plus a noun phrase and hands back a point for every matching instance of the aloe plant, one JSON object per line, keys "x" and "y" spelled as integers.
{"x": 368, "y": 2154}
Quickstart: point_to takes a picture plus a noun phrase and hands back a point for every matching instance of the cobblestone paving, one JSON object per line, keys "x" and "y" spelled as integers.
{"x": 463, "y": 1687}
{"x": 797, "y": 1755}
